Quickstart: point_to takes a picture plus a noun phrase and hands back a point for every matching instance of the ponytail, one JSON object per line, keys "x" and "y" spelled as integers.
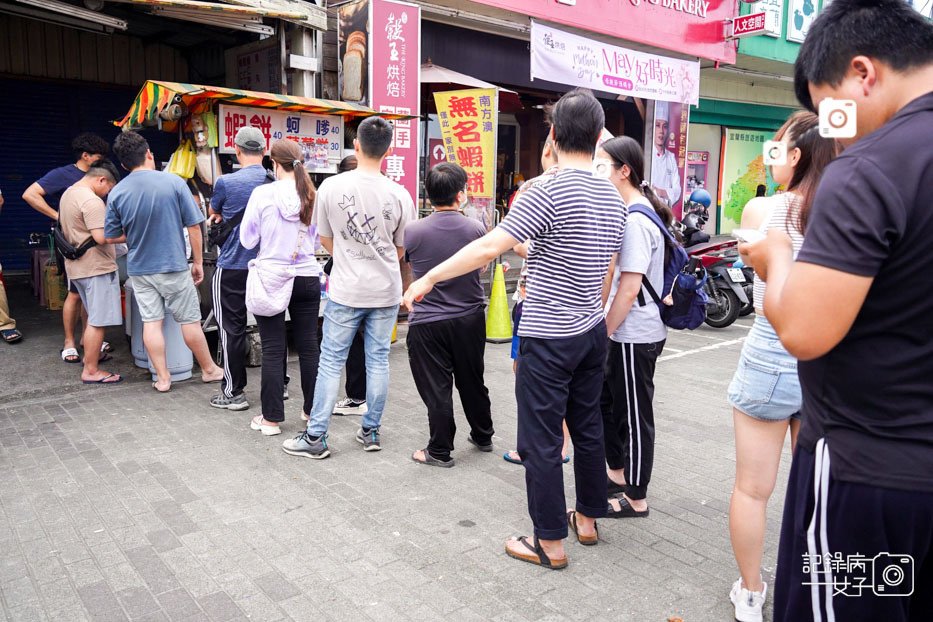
{"x": 625, "y": 151}
{"x": 286, "y": 154}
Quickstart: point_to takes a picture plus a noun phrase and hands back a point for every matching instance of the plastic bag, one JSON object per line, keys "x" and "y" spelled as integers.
{"x": 210, "y": 125}
{"x": 183, "y": 161}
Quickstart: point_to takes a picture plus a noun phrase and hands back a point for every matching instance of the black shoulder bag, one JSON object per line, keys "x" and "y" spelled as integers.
{"x": 66, "y": 248}
{"x": 220, "y": 231}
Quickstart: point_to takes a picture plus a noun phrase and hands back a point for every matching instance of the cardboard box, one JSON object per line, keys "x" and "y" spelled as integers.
{"x": 55, "y": 288}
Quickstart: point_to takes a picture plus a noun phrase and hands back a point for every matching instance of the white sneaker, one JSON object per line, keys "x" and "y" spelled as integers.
{"x": 748, "y": 604}
{"x": 267, "y": 430}
{"x": 348, "y": 406}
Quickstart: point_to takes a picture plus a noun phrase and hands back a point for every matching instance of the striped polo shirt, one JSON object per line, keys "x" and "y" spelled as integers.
{"x": 576, "y": 222}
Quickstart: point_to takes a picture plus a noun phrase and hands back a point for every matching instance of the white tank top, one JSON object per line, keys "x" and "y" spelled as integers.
{"x": 782, "y": 215}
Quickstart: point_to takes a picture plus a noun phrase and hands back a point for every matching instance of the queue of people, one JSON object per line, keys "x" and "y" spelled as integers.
{"x": 840, "y": 355}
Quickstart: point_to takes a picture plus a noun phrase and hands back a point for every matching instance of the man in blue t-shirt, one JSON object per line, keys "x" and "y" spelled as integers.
{"x": 575, "y": 221}
{"x": 150, "y": 209}
{"x": 855, "y": 308}
{"x": 231, "y": 194}
{"x": 43, "y": 196}
{"x": 447, "y": 329}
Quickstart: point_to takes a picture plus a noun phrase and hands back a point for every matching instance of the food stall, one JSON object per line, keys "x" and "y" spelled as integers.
{"x": 206, "y": 119}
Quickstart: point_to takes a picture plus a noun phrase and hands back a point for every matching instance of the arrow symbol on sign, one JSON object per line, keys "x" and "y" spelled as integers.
{"x": 439, "y": 153}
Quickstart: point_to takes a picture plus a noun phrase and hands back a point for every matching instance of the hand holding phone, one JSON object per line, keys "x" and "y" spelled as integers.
{"x": 749, "y": 236}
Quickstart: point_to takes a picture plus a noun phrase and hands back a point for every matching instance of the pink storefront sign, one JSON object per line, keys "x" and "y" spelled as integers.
{"x": 691, "y": 27}
{"x": 395, "y": 40}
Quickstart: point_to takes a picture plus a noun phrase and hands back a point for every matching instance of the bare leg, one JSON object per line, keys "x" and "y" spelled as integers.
{"x": 93, "y": 338}
{"x": 194, "y": 339}
{"x": 758, "y": 447}
{"x": 70, "y": 311}
{"x": 82, "y": 318}
{"x": 565, "y": 450}
{"x": 155, "y": 346}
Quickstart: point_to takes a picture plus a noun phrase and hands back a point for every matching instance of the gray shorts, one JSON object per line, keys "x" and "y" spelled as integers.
{"x": 172, "y": 290}
{"x": 101, "y": 297}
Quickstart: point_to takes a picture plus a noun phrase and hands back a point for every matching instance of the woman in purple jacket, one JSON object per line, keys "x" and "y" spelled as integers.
{"x": 278, "y": 219}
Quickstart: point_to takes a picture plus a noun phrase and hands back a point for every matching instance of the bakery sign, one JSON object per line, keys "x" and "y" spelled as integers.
{"x": 566, "y": 58}
{"x": 394, "y": 83}
{"x": 320, "y": 137}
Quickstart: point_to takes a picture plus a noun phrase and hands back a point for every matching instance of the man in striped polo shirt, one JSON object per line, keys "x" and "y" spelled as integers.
{"x": 575, "y": 221}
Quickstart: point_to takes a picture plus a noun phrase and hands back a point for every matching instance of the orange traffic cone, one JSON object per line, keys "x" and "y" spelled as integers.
{"x": 498, "y": 320}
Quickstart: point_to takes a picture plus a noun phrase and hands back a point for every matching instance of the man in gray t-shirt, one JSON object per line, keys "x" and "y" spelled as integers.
{"x": 447, "y": 328}
{"x": 361, "y": 218}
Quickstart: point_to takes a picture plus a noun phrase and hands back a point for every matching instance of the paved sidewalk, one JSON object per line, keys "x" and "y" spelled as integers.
{"x": 118, "y": 503}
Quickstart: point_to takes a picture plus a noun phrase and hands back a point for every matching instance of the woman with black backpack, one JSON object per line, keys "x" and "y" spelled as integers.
{"x": 636, "y": 332}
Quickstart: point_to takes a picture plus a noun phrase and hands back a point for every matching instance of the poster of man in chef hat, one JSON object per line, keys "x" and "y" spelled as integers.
{"x": 666, "y": 170}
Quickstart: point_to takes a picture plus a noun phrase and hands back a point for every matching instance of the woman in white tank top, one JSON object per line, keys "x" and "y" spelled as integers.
{"x": 765, "y": 391}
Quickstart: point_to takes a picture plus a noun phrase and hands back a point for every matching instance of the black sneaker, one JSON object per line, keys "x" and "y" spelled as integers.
{"x": 237, "y": 402}
{"x": 369, "y": 439}
{"x": 483, "y": 448}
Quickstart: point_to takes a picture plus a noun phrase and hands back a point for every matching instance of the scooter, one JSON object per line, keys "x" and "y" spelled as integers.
{"x": 695, "y": 217}
{"x": 725, "y": 286}
{"x": 748, "y": 287}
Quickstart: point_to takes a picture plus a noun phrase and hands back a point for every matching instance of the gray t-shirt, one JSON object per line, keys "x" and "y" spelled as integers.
{"x": 430, "y": 241}
{"x": 642, "y": 252}
{"x": 366, "y": 216}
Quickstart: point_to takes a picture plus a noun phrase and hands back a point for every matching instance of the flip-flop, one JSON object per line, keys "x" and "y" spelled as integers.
{"x": 625, "y": 510}
{"x": 11, "y": 335}
{"x": 430, "y": 460}
{"x": 536, "y": 555}
{"x": 584, "y": 540}
{"x": 157, "y": 390}
{"x": 507, "y": 456}
{"x": 70, "y": 355}
{"x": 106, "y": 380}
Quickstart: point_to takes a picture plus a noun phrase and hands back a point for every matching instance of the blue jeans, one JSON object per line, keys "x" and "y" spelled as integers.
{"x": 340, "y": 326}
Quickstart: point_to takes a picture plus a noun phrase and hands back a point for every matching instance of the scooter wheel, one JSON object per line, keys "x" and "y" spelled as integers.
{"x": 723, "y": 308}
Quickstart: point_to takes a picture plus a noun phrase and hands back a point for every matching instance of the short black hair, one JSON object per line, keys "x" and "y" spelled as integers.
{"x": 104, "y": 168}
{"x": 443, "y": 183}
{"x": 578, "y": 118}
{"x": 888, "y": 30}
{"x": 349, "y": 163}
{"x": 130, "y": 148}
{"x": 375, "y": 136}
{"x": 88, "y": 143}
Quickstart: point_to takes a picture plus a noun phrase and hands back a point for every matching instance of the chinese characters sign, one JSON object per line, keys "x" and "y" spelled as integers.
{"x": 319, "y": 136}
{"x": 669, "y": 153}
{"x": 566, "y": 58}
{"x": 394, "y": 83}
{"x": 468, "y": 124}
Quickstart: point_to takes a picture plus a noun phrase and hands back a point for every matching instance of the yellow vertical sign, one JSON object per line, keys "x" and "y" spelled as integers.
{"x": 468, "y": 120}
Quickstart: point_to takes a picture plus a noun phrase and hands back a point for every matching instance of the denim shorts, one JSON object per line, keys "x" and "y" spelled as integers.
{"x": 765, "y": 385}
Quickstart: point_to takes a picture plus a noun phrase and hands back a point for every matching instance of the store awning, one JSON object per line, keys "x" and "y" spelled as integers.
{"x": 435, "y": 78}
{"x": 157, "y": 95}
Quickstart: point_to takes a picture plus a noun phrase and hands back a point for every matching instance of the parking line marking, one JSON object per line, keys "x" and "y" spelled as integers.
{"x": 713, "y": 346}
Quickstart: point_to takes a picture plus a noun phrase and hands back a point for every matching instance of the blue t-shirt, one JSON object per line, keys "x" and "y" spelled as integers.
{"x": 231, "y": 194}
{"x": 152, "y": 208}
{"x": 56, "y": 181}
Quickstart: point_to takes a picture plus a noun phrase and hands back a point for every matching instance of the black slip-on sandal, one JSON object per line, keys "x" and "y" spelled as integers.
{"x": 535, "y": 555}
{"x": 625, "y": 510}
{"x": 430, "y": 460}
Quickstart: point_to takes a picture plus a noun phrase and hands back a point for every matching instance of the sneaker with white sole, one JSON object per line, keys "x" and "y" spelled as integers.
{"x": 307, "y": 447}
{"x": 267, "y": 430}
{"x": 369, "y": 439}
{"x": 237, "y": 402}
{"x": 748, "y": 605}
{"x": 350, "y": 406}
{"x": 285, "y": 391}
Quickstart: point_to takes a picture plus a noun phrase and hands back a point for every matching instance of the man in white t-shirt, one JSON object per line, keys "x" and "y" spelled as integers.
{"x": 665, "y": 176}
{"x": 361, "y": 217}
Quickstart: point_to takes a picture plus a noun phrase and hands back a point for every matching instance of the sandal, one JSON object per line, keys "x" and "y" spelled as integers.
{"x": 614, "y": 489}
{"x": 70, "y": 355}
{"x": 11, "y": 335}
{"x": 625, "y": 510}
{"x": 430, "y": 460}
{"x": 536, "y": 555}
{"x": 507, "y": 456}
{"x": 105, "y": 347}
{"x": 105, "y": 380}
{"x": 584, "y": 540}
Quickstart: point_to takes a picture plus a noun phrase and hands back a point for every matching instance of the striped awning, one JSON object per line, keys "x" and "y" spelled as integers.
{"x": 157, "y": 95}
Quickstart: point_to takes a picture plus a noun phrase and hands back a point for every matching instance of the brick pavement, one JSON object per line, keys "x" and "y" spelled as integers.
{"x": 120, "y": 504}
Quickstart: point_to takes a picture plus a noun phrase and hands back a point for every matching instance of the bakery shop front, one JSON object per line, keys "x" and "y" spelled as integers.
{"x": 642, "y": 63}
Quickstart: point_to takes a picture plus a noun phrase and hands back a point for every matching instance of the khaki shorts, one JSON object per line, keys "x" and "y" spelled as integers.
{"x": 174, "y": 291}
{"x": 101, "y": 297}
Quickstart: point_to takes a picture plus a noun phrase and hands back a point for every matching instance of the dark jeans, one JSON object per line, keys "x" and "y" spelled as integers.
{"x": 303, "y": 310}
{"x": 557, "y": 380}
{"x": 849, "y": 522}
{"x": 229, "y": 291}
{"x": 628, "y": 412}
{"x": 444, "y": 353}
{"x": 356, "y": 369}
